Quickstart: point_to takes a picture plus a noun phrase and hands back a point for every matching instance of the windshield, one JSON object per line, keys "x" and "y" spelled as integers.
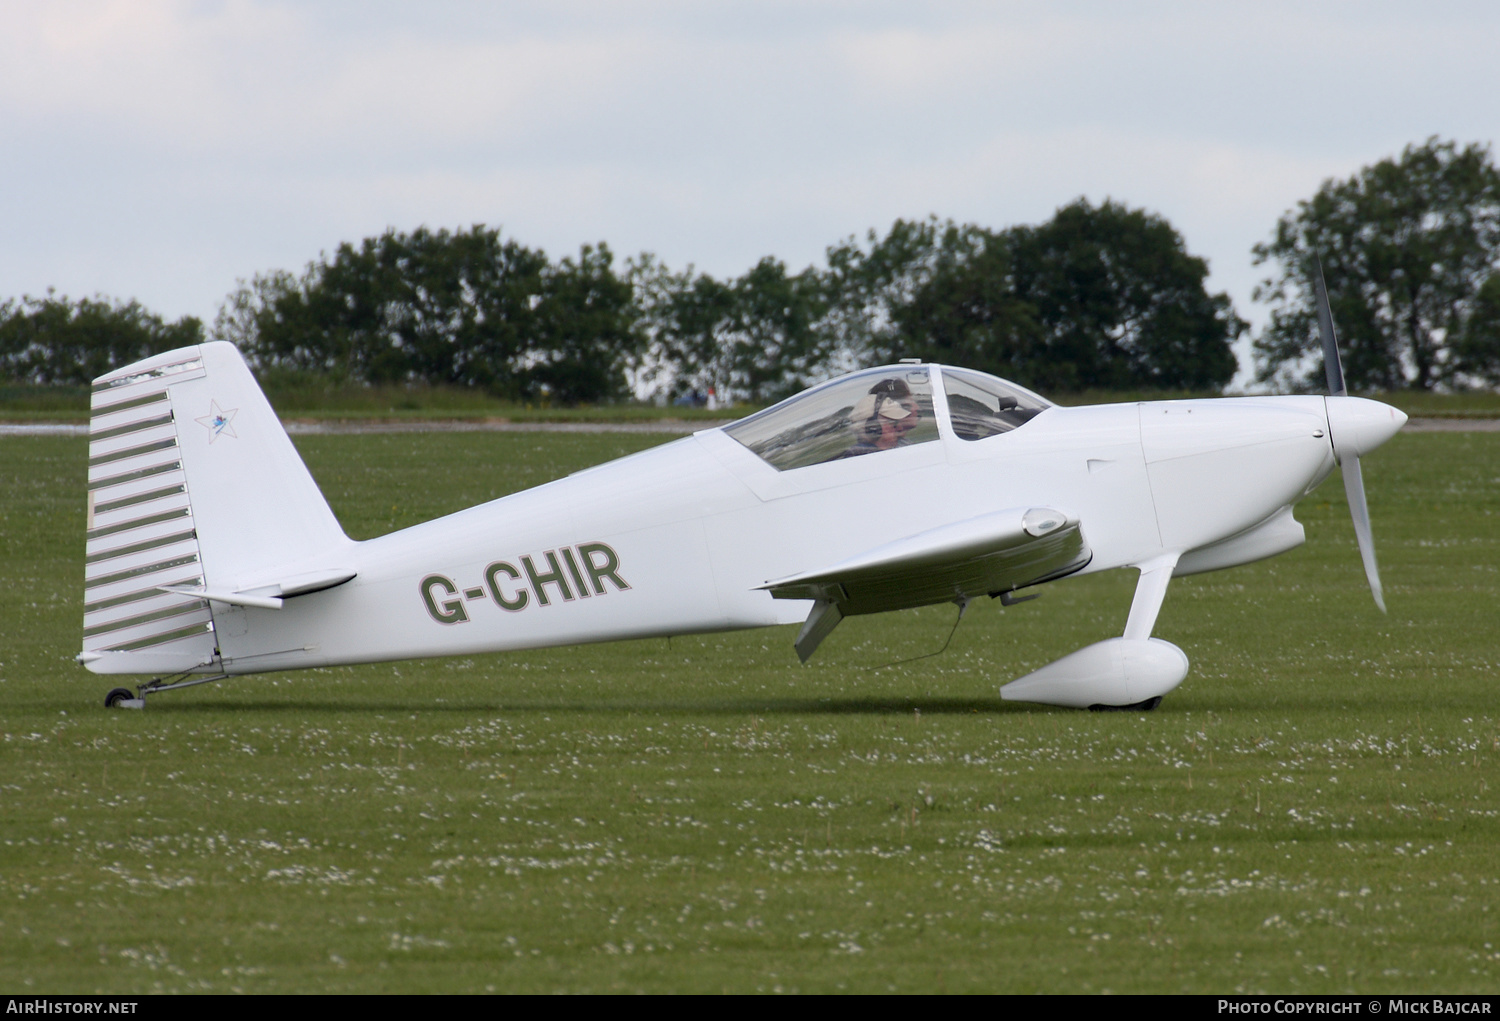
{"x": 864, "y": 413}
{"x": 982, "y": 405}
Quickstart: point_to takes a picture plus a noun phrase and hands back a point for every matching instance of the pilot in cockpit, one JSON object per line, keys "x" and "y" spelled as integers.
{"x": 883, "y": 417}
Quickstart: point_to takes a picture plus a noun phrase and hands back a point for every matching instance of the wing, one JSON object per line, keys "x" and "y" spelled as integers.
{"x": 987, "y": 555}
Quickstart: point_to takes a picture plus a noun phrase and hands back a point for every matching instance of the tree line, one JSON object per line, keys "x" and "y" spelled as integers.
{"x": 1097, "y": 297}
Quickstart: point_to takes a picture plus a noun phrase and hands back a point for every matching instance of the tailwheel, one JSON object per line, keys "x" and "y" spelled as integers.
{"x": 122, "y": 698}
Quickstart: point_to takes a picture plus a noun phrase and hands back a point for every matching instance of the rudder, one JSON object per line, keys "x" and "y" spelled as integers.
{"x": 193, "y": 484}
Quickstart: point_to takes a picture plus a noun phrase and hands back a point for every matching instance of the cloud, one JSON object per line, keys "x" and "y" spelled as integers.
{"x": 161, "y": 149}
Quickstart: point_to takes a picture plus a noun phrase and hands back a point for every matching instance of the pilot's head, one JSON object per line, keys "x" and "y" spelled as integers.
{"x": 887, "y": 413}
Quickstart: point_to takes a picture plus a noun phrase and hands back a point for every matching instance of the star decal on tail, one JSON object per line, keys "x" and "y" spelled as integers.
{"x": 218, "y": 422}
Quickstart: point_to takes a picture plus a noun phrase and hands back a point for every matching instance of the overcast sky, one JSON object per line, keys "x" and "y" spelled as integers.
{"x": 161, "y": 150}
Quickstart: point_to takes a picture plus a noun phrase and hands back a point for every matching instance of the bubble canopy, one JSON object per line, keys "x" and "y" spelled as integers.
{"x": 880, "y": 409}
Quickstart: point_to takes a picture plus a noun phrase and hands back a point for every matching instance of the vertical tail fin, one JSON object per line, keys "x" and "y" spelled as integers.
{"x": 192, "y": 483}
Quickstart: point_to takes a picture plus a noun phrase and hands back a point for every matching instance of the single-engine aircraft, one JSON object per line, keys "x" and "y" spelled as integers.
{"x": 211, "y": 552}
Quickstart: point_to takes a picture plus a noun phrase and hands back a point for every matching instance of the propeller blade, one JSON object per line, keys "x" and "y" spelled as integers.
{"x": 1354, "y": 488}
{"x": 1331, "y": 364}
{"x": 1348, "y": 458}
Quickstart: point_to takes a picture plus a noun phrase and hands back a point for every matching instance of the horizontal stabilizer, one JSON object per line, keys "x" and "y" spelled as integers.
{"x": 308, "y": 582}
{"x": 221, "y": 596}
{"x": 271, "y": 596}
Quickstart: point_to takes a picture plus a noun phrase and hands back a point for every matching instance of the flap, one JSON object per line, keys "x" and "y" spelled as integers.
{"x": 986, "y": 555}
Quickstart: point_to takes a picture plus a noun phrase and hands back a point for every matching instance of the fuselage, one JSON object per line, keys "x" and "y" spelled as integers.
{"x": 680, "y": 538}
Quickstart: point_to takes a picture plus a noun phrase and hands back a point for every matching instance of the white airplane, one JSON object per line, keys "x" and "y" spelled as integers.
{"x": 211, "y": 552}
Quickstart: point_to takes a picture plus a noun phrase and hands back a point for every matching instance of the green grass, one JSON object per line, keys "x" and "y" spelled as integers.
{"x": 1314, "y": 810}
{"x": 23, "y": 402}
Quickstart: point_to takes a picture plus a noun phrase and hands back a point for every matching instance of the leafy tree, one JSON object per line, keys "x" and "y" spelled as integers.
{"x": 1476, "y": 355}
{"x": 465, "y": 308}
{"x": 1100, "y": 296}
{"x": 962, "y": 307}
{"x": 683, "y": 317}
{"x": 778, "y": 347}
{"x": 57, "y": 341}
{"x": 1407, "y": 246}
{"x": 257, "y": 317}
{"x": 754, "y": 338}
{"x": 583, "y": 336}
{"x": 868, "y": 284}
{"x": 1121, "y": 303}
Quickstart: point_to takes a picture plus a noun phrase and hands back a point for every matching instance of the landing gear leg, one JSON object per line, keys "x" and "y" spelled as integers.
{"x": 123, "y": 698}
{"x": 1125, "y": 674}
{"x": 1150, "y": 590}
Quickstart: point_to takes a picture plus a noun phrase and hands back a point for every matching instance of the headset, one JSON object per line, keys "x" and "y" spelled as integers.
{"x": 885, "y": 390}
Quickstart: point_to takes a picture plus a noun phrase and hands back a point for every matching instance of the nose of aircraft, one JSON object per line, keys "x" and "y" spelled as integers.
{"x": 1359, "y": 425}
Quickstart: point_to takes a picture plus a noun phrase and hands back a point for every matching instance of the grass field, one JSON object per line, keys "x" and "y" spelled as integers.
{"x": 1315, "y": 809}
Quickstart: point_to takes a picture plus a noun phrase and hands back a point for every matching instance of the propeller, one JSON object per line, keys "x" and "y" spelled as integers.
{"x": 1346, "y": 436}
